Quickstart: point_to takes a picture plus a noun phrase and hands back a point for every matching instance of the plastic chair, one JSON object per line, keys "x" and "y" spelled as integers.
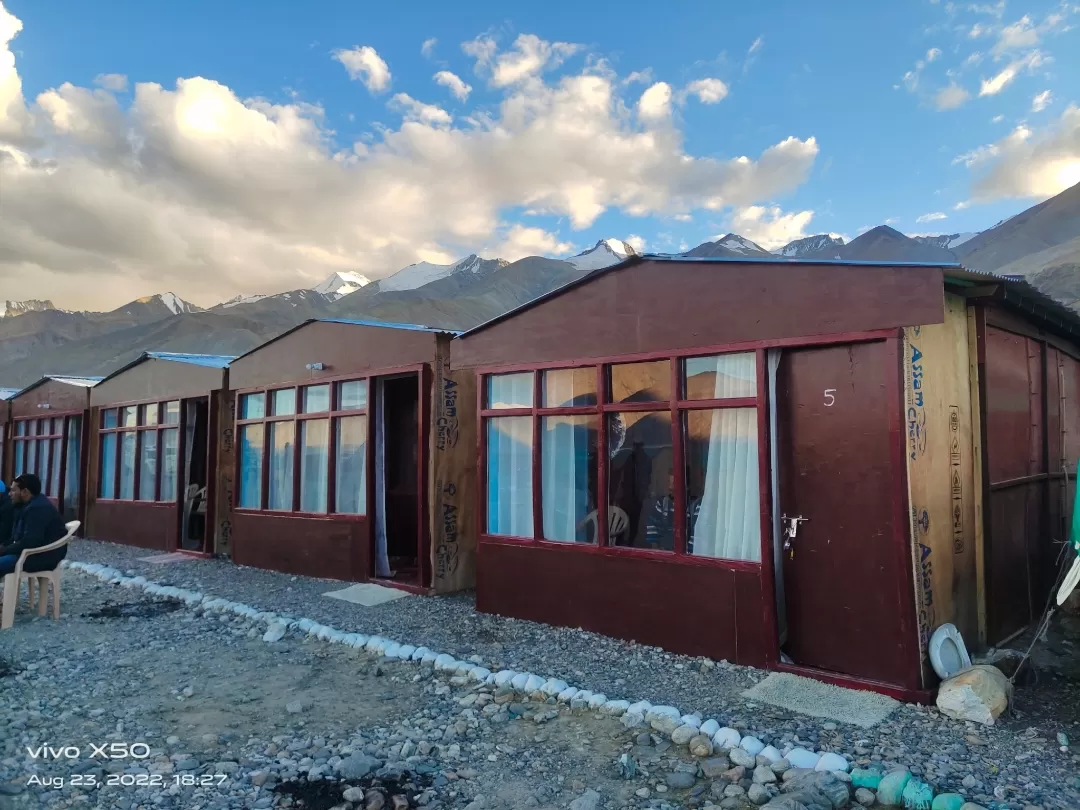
{"x": 13, "y": 581}
{"x": 618, "y": 521}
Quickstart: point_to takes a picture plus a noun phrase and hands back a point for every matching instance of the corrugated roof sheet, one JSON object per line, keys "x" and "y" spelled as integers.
{"x": 84, "y": 382}
{"x": 411, "y": 327}
{"x": 209, "y": 360}
{"x": 7, "y": 393}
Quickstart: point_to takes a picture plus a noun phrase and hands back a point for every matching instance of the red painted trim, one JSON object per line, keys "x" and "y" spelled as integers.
{"x": 481, "y": 461}
{"x": 351, "y": 377}
{"x": 765, "y": 495}
{"x": 903, "y": 693}
{"x": 535, "y": 458}
{"x": 425, "y": 386}
{"x": 281, "y": 513}
{"x": 678, "y": 463}
{"x": 622, "y": 551}
{"x": 493, "y": 412}
{"x": 714, "y": 404}
{"x": 602, "y": 494}
{"x": 200, "y": 555}
{"x": 408, "y": 587}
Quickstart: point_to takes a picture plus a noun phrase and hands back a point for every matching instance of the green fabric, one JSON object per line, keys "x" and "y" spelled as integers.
{"x": 917, "y": 795}
{"x": 1074, "y": 532}
{"x": 948, "y": 801}
{"x": 862, "y": 778}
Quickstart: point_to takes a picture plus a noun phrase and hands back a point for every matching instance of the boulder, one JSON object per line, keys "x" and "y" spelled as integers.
{"x": 866, "y": 778}
{"x": 683, "y": 734}
{"x": 801, "y": 758}
{"x": 818, "y": 788}
{"x": 948, "y": 801}
{"x": 701, "y": 746}
{"x": 726, "y": 738}
{"x": 832, "y": 762}
{"x": 917, "y": 795}
{"x": 890, "y": 791}
{"x": 979, "y": 694}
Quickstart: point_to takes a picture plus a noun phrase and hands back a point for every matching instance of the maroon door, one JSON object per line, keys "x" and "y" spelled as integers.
{"x": 841, "y": 574}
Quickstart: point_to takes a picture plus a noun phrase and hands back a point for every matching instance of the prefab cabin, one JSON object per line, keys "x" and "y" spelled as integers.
{"x": 161, "y": 435}
{"x": 800, "y": 466}
{"x": 47, "y": 435}
{"x": 317, "y": 409}
{"x": 5, "y": 417}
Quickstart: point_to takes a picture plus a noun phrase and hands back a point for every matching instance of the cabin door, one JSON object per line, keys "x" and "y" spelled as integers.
{"x": 397, "y": 478}
{"x": 196, "y": 474}
{"x": 837, "y": 485}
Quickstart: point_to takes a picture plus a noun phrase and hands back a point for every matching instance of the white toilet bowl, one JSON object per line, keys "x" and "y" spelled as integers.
{"x": 948, "y": 653}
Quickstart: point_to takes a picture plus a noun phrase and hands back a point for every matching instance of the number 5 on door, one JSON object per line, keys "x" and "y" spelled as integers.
{"x": 829, "y": 397}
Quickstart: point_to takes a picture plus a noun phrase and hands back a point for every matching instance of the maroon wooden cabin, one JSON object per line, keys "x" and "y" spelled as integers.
{"x": 648, "y": 435}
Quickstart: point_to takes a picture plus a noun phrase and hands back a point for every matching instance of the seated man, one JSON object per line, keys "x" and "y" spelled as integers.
{"x": 37, "y": 524}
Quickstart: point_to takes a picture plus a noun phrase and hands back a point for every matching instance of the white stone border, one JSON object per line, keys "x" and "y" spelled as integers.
{"x": 682, "y": 729}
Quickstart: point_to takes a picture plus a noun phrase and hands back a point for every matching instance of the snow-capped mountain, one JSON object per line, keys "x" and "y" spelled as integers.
{"x": 949, "y": 241}
{"x": 241, "y": 299}
{"x": 421, "y": 273}
{"x": 604, "y": 253}
{"x": 163, "y": 304}
{"x": 12, "y": 308}
{"x": 341, "y": 283}
{"x": 731, "y": 246}
{"x": 810, "y": 245}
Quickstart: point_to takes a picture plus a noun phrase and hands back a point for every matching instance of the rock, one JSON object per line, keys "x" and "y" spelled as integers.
{"x": 819, "y": 787}
{"x": 374, "y": 800}
{"x": 801, "y": 758}
{"x": 832, "y": 762}
{"x": 357, "y": 766}
{"x": 863, "y": 778}
{"x": 701, "y": 746}
{"x": 972, "y": 806}
{"x": 758, "y": 794}
{"x": 740, "y": 757}
{"x": 294, "y": 707}
{"x": 683, "y": 734}
{"x": 275, "y": 632}
{"x": 712, "y": 768}
{"x": 664, "y": 723}
{"x": 632, "y": 720}
{"x": 589, "y": 800}
{"x": 734, "y": 791}
{"x": 353, "y": 794}
{"x": 890, "y": 791}
{"x": 764, "y": 775}
{"x": 865, "y": 797}
{"x": 979, "y": 695}
{"x": 770, "y": 753}
{"x": 726, "y": 738}
{"x": 917, "y": 795}
{"x": 948, "y": 801}
{"x": 752, "y": 745}
{"x": 679, "y": 780}
{"x": 781, "y": 766}
{"x": 709, "y": 728}
{"x": 736, "y": 774}
{"x": 615, "y": 708}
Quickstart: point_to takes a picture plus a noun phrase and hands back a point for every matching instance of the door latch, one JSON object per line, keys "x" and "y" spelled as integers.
{"x": 791, "y": 528}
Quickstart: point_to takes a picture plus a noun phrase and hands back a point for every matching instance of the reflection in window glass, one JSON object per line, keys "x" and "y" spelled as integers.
{"x": 568, "y": 478}
{"x": 150, "y": 414}
{"x": 32, "y": 427}
{"x": 54, "y": 470}
{"x": 509, "y": 476}
{"x": 172, "y": 413}
{"x": 108, "y": 466}
{"x": 282, "y": 436}
{"x": 170, "y": 454}
{"x": 128, "y": 456}
{"x": 73, "y": 458}
{"x": 640, "y": 482}
{"x": 314, "y": 463}
{"x": 569, "y": 387}
{"x": 253, "y": 406}
{"x": 20, "y": 428}
{"x": 725, "y": 376}
{"x": 316, "y": 398}
{"x": 641, "y": 382}
{"x": 723, "y": 510}
{"x": 284, "y": 402}
{"x": 57, "y": 426}
{"x": 147, "y": 464}
{"x": 130, "y": 416}
{"x": 43, "y": 461}
{"x": 31, "y": 457}
{"x": 251, "y": 460}
{"x": 510, "y": 390}
{"x": 352, "y": 395}
{"x": 350, "y": 478}
{"x": 108, "y": 418}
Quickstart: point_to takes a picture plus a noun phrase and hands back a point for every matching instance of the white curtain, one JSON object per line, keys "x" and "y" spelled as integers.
{"x": 509, "y": 450}
{"x": 382, "y": 560}
{"x": 190, "y": 412}
{"x": 565, "y": 486}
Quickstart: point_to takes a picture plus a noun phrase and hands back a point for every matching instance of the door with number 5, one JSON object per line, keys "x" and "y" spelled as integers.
{"x": 843, "y": 570}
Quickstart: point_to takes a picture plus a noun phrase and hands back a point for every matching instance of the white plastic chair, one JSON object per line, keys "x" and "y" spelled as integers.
{"x": 13, "y": 581}
{"x": 618, "y": 521}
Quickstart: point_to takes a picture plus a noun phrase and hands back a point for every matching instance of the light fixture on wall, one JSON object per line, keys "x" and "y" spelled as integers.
{"x": 44, "y": 405}
{"x": 315, "y": 367}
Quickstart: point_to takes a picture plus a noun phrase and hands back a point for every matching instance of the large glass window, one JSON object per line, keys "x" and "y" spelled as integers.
{"x": 140, "y": 452}
{"x": 699, "y": 411}
{"x": 127, "y": 465}
{"x": 147, "y": 465}
{"x": 293, "y": 448}
{"x": 107, "y": 488}
{"x": 170, "y": 455}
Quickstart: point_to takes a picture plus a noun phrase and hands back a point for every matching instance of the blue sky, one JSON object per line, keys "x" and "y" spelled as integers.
{"x": 954, "y": 113}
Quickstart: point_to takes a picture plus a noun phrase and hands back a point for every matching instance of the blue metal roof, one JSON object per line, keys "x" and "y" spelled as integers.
{"x": 671, "y": 257}
{"x": 208, "y": 360}
{"x": 414, "y": 327}
{"x": 81, "y": 382}
{"x": 7, "y": 393}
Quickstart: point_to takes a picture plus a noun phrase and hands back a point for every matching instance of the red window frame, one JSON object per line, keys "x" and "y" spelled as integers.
{"x": 141, "y": 431}
{"x": 333, "y": 415}
{"x": 25, "y": 439}
{"x": 677, "y": 404}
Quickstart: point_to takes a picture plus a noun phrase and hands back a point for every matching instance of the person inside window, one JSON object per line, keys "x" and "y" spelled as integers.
{"x": 660, "y": 524}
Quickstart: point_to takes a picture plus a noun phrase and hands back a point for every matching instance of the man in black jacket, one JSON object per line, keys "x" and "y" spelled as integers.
{"x": 37, "y": 524}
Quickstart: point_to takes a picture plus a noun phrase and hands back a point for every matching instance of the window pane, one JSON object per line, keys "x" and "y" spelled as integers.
{"x": 72, "y": 460}
{"x": 20, "y": 458}
{"x": 641, "y": 382}
{"x": 108, "y": 418}
{"x": 352, "y": 395}
{"x": 251, "y": 460}
{"x": 127, "y": 465}
{"x": 725, "y": 376}
{"x": 284, "y": 402}
{"x": 108, "y": 466}
{"x": 20, "y": 428}
{"x": 149, "y": 414}
{"x": 170, "y": 454}
{"x": 509, "y": 476}
{"x": 282, "y": 436}
{"x": 54, "y": 470}
{"x": 569, "y": 387}
{"x": 130, "y": 416}
{"x": 568, "y": 477}
{"x": 640, "y": 485}
{"x": 57, "y": 426}
{"x": 172, "y": 413}
{"x": 31, "y": 457}
{"x": 253, "y": 406}
{"x": 350, "y": 475}
{"x": 31, "y": 427}
{"x": 314, "y": 463}
{"x": 510, "y": 390}
{"x": 723, "y": 513}
{"x": 42, "y": 468}
{"x": 147, "y": 464}
{"x": 316, "y": 398}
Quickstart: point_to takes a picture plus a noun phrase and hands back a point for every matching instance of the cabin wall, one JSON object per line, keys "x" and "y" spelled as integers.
{"x": 452, "y": 494}
{"x": 328, "y": 548}
{"x": 157, "y": 380}
{"x": 135, "y": 523}
{"x": 57, "y": 396}
{"x": 941, "y": 475}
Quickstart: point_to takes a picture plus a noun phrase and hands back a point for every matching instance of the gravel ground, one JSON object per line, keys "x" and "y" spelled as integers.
{"x": 1014, "y": 764}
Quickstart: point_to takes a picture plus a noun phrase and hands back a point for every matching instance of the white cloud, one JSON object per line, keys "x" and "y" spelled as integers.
{"x": 756, "y": 45}
{"x": 960, "y": 206}
{"x": 459, "y": 88}
{"x": 190, "y": 188}
{"x": 428, "y": 48}
{"x": 636, "y": 242}
{"x": 770, "y": 227}
{"x": 521, "y": 241}
{"x": 951, "y": 97}
{"x": 364, "y": 64}
{"x": 708, "y": 91}
{"x": 934, "y": 217}
{"x": 933, "y": 54}
{"x": 997, "y": 119}
{"x": 972, "y": 59}
{"x": 15, "y": 120}
{"x": 528, "y": 58}
{"x": 1042, "y": 101}
{"x": 117, "y": 82}
{"x": 1026, "y": 164}
{"x": 996, "y": 10}
{"x": 997, "y": 83}
{"x": 752, "y": 52}
{"x": 640, "y": 76}
{"x": 655, "y": 103}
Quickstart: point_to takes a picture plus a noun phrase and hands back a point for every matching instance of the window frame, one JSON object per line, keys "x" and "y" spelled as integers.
{"x": 25, "y": 438}
{"x": 140, "y": 430}
{"x": 333, "y": 415}
{"x": 677, "y": 405}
